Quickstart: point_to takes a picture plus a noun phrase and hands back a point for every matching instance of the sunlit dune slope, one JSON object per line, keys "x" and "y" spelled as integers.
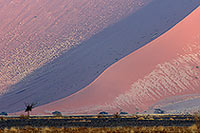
{"x": 168, "y": 66}
{"x": 52, "y": 49}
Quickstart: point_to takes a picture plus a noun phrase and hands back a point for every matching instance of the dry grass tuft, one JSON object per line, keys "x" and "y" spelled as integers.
{"x": 24, "y": 116}
{"x": 141, "y": 118}
{"x": 28, "y": 129}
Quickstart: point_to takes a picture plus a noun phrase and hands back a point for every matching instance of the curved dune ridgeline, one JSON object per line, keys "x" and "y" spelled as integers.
{"x": 35, "y": 32}
{"x": 52, "y": 49}
{"x": 168, "y": 66}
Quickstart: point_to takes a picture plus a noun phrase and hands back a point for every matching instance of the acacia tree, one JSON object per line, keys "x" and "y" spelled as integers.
{"x": 29, "y": 107}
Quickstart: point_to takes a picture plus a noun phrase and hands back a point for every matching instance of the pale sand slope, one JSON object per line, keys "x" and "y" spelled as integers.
{"x": 188, "y": 103}
{"x": 78, "y": 67}
{"x": 167, "y": 66}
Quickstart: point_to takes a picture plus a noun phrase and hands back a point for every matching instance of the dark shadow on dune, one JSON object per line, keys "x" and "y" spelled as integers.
{"x": 80, "y": 66}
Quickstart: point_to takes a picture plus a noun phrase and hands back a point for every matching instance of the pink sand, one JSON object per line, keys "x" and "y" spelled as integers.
{"x": 163, "y": 68}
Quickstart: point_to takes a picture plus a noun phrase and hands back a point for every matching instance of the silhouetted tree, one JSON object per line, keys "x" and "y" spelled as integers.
{"x": 29, "y": 107}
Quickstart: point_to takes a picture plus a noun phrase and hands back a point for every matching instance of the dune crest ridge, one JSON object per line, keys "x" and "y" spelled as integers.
{"x": 167, "y": 66}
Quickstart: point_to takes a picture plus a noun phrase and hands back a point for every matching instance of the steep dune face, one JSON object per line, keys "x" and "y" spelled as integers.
{"x": 167, "y": 66}
{"x": 52, "y": 49}
{"x": 35, "y": 32}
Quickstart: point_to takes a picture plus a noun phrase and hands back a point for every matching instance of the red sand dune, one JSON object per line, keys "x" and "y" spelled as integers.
{"x": 39, "y": 57}
{"x": 167, "y": 66}
{"x": 34, "y": 32}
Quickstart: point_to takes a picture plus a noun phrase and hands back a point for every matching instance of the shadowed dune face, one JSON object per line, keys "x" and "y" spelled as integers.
{"x": 41, "y": 33}
{"x": 34, "y": 32}
{"x": 166, "y": 67}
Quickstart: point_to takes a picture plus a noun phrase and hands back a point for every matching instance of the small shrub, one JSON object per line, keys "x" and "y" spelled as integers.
{"x": 159, "y": 111}
{"x": 141, "y": 118}
{"x": 100, "y": 116}
{"x": 187, "y": 119}
{"x": 123, "y": 113}
{"x": 134, "y": 116}
{"x": 3, "y": 113}
{"x": 2, "y": 118}
{"x": 57, "y": 113}
{"x": 116, "y": 115}
{"x": 103, "y": 113}
{"x": 151, "y": 118}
